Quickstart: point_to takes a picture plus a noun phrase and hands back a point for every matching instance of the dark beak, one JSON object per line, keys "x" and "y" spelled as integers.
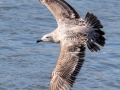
{"x": 39, "y": 40}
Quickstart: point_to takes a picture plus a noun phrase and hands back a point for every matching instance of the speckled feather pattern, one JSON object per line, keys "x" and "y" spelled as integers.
{"x": 73, "y": 34}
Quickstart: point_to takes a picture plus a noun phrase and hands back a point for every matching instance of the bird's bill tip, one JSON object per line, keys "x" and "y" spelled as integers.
{"x": 39, "y": 40}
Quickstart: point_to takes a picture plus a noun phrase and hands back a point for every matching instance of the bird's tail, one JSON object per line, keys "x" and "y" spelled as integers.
{"x": 95, "y": 35}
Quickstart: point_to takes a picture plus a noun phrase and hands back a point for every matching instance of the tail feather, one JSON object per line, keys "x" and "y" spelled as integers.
{"x": 100, "y": 32}
{"x": 93, "y": 21}
{"x": 100, "y": 41}
{"x": 95, "y": 36}
{"x": 92, "y": 46}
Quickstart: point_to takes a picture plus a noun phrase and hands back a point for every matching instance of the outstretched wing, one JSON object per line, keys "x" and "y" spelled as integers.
{"x": 60, "y": 9}
{"x": 70, "y": 61}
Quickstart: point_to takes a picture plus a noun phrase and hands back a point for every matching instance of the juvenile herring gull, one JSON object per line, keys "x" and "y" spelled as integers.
{"x": 73, "y": 34}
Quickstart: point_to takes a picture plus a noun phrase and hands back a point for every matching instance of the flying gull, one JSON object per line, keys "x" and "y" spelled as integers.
{"x": 73, "y": 34}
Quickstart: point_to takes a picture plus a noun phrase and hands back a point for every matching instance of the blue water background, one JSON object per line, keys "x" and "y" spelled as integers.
{"x": 25, "y": 65}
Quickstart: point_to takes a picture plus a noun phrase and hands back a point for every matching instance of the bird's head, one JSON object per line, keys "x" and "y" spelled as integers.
{"x": 46, "y": 38}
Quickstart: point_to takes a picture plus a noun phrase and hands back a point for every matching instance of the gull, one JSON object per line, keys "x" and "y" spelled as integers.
{"x": 73, "y": 34}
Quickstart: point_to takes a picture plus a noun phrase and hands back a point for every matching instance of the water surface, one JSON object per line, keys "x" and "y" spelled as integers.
{"x": 25, "y": 65}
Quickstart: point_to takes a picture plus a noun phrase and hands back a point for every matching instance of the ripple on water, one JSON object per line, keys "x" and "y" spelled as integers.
{"x": 25, "y": 65}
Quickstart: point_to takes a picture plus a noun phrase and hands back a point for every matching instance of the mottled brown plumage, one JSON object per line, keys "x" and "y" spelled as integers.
{"x": 72, "y": 33}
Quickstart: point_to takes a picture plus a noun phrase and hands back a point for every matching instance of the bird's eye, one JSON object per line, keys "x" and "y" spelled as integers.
{"x": 47, "y": 37}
